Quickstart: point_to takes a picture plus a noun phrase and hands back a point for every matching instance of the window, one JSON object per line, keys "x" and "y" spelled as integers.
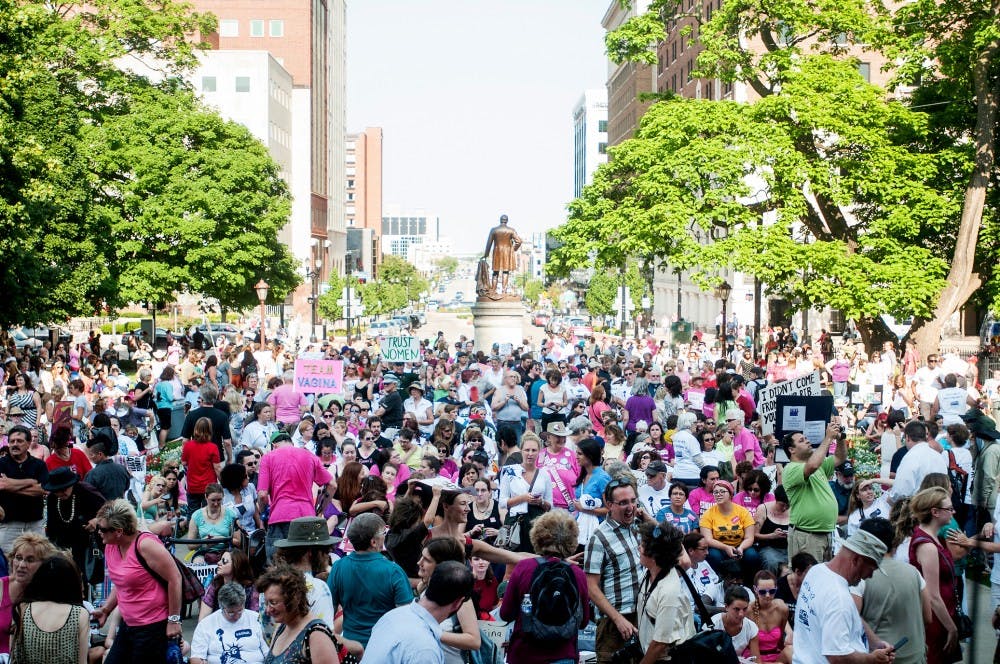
{"x": 865, "y": 69}
{"x": 602, "y": 126}
{"x": 229, "y": 27}
{"x": 602, "y": 148}
{"x": 277, "y": 28}
{"x": 350, "y": 184}
{"x": 257, "y": 27}
{"x": 243, "y": 84}
{"x": 208, "y": 84}
{"x": 673, "y": 52}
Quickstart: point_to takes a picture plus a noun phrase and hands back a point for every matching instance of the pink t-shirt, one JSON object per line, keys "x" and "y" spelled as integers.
{"x": 288, "y": 475}
{"x": 564, "y": 465}
{"x": 751, "y": 501}
{"x": 287, "y": 403}
{"x": 142, "y": 600}
{"x": 744, "y": 442}
{"x": 700, "y": 500}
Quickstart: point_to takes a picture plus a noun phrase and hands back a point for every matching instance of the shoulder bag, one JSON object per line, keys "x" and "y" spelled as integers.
{"x": 509, "y": 536}
{"x": 191, "y": 587}
{"x": 710, "y": 644}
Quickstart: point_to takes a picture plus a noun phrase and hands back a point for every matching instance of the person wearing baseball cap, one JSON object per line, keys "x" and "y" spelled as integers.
{"x": 842, "y": 484}
{"x": 654, "y": 495}
{"x": 827, "y": 622}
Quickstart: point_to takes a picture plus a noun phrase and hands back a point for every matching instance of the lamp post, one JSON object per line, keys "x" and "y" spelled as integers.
{"x": 261, "y": 287}
{"x": 723, "y": 291}
{"x": 313, "y": 275}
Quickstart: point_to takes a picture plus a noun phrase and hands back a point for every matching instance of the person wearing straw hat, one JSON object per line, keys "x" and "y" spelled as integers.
{"x": 828, "y": 626}
{"x": 421, "y": 408}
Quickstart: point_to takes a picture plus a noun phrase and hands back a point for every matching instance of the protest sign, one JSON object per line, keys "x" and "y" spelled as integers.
{"x": 496, "y": 631}
{"x": 400, "y": 349}
{"x": 767, "y": 397}
{"x": 319, "y": 376}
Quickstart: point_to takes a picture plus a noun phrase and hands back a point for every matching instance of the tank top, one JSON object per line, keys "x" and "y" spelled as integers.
{"x": 36, "y": 645}
{"x": 141, "y": 598}
{"x": 769, "y": 527}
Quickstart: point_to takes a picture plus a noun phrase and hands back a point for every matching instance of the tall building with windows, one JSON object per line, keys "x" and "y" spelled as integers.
{"x": 363, "y": 173}
{"x": 403, "y": 228}
{"x": 590, "y": 137}
{"x": 626, "y": 81}
{"x": 307, "y": 38}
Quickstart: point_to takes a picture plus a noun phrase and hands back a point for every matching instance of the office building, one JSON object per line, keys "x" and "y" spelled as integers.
{"x": 590, "y": 137}
{"x": 402, "y": 228}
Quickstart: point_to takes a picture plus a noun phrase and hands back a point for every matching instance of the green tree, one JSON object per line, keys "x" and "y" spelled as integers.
{"x": 601, "y": 293}
{"x": 395, "y": 271}
{"x": 447, "y": 264}
{"x": 326, "y": 305}
{"x": 822, "y": 157}
{"x": 58, "y": 76}
{"x": 195, "y": 202}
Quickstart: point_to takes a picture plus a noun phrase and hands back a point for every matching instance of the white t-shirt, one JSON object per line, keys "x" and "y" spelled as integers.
{"x": 215, "y": 638}
{"x": 746, "y": 634}
{"x": 826, "y": 620}
{"x": 920, "y": 461}
{"x": 952, "y": 404}
{"x": 686, "y": 448}
{"x": 927, "y": 382}
{"x": 707, "y": 582}
{"x": 880, "y": 508}
{"x": 652, "y": 500}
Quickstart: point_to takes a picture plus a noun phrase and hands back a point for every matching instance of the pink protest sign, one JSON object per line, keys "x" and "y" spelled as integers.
{"x": 319, "y": 376}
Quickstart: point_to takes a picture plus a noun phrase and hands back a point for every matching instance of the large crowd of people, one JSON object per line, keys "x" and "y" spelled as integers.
{"x": 598, "y": 494}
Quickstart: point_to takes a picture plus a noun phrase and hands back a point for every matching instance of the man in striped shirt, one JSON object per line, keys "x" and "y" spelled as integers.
{"x": 612, "y": 567}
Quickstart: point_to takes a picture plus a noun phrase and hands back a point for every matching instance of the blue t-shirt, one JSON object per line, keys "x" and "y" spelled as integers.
{"x": 595, "y": 483}
{"x": 686, "y": 521}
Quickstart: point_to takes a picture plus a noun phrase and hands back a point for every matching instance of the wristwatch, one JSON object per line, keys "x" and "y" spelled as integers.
{"x": 174, "y": 619}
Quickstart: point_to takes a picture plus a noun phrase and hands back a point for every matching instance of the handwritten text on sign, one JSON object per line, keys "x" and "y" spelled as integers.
{"x": 400, "y": 349}
{"x": 319, "y": 376}
{"x": 767, "y": 398}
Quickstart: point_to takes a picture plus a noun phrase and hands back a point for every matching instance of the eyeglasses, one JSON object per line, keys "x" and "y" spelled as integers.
{"x": 327, "y": 415}
{"x": 947, "y": 509}
{"x": 766, "y": 591}
{"x": 104, "y": 530}
{"x": 366, "y": 438}
{"x": 719, "y": 492}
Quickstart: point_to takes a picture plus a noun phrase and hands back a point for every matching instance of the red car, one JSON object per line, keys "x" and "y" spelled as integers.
{"x": 540, "y": 319}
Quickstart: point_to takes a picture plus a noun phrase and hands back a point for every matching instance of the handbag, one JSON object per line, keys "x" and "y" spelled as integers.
{"x": 710, "y": 645}
{"x": 191, "y": 587}
{"x": 94, "y": 561}
{"x": 509, "y": 536}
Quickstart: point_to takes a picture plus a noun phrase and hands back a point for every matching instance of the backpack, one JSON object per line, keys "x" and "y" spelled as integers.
{"x": 959, "y": 480}
{"x": 556, "y": 612}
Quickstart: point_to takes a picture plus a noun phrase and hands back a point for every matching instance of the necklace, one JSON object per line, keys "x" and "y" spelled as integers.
{"x": 72, "y": 510}
{"x": 213, "y": 517}
{"x": 483, "y": 514}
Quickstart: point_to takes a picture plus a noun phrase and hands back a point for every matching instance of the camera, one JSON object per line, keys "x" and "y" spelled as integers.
{"x": 629, "y": 653}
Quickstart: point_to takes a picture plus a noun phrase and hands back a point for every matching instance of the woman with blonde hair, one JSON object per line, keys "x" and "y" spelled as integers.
{"x": 26, "y": 557}
{"x": 932, "y": 509}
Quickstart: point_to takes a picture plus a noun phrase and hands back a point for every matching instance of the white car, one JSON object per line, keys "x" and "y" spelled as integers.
{"x": 22, "y": 340}
{"x": 383, "y": 328}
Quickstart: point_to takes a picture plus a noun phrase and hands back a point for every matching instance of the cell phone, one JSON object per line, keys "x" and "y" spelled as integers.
{"x": 902, "y": 642}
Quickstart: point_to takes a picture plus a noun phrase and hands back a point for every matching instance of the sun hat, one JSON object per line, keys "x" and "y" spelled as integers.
{"x": 306, "y": 531}
{"x": 556, "y": 429}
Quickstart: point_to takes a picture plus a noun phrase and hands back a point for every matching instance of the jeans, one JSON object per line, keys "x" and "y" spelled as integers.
{"x": 516, "y": 425}
{"x": 145, "y": 643}
{"x": 724, "y": 566}
{"x": 839, "y": 389}
{"x": 275, "y": 532}
{"x": 773, "y": 558}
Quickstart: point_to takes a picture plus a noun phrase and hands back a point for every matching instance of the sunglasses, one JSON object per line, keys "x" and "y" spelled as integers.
{"x": 106, "y": 530}
{"x": 766, "y": 591}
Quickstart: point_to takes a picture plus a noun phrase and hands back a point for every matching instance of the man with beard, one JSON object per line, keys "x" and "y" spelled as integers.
{"x": 842, "y": 483}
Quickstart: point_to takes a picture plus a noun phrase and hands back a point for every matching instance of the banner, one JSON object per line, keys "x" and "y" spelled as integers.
{"x": 400, "y": 349}
{"x": 319, "y": 376}
{"x": 767, "y": 397}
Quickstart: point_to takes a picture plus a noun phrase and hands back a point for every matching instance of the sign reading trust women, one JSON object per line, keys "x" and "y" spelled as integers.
{"x": 319, "y": 376}
{"x": 400, "y": 349}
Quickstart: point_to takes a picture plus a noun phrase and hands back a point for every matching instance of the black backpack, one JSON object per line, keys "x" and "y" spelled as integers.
{"x": 556, "y": 611}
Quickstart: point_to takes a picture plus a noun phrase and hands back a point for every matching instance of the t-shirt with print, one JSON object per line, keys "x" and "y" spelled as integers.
{"x": 728, "y": 529}
{"x": 564, "y": 466}
{"x": 826, "y": 620}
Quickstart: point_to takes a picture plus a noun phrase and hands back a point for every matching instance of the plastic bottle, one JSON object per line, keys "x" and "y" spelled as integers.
{"x": 526, "y": 605}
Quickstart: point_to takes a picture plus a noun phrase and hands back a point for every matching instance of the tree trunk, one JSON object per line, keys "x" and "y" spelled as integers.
{"x": 874, "y": 332}
{"x": 962, "y": 281}
{"x": 222, "y": 314}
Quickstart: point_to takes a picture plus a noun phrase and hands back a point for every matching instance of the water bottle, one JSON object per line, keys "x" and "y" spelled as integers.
{"x": 174, "y": 655}
{"x": 526, "y": 605}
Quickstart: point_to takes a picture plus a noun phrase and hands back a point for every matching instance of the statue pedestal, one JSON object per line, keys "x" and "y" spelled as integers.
{"x": 497, "y": 322}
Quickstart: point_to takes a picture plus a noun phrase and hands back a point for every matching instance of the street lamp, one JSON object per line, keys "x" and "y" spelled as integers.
{"x": 723, "y": 291}
{"x": 262, "y": 289}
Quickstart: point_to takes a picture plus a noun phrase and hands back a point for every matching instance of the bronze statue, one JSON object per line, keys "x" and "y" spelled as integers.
{"x": 504, "y": 241}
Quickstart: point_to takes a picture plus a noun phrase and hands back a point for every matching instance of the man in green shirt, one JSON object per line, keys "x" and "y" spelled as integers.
{"x": 806, "y": 479}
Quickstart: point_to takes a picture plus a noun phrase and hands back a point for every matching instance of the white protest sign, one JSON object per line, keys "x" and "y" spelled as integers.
{"x": 400, "y": 349}
{"x": 767, "y": 397}
{"x": 506, "y": 349}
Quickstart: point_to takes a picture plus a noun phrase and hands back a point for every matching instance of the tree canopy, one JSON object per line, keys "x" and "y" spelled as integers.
{"x": 826, "y": 188}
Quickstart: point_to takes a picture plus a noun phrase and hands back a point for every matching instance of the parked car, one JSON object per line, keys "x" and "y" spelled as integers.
{"x": 44, "y": 334}
{"x": 540, "y": 319}
{"x": 432, "y": 305}
{"x": 383, "y": 328}
{"x": 22, "y": 340}
{"x": 581, "y": 327}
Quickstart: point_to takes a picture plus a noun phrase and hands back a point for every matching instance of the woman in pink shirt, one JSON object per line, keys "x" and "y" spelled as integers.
{"x": 289, "y": 405}
{"x": 147, "y": 595}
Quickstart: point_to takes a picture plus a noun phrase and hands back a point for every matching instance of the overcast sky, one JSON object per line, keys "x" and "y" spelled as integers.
{"x": 475, "y": 100}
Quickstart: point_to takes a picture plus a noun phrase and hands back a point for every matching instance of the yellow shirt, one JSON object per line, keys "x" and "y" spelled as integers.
{"x": 730, "y": 529}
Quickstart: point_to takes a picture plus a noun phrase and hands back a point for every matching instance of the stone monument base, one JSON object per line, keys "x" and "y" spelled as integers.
{"x": 498, "y": 322}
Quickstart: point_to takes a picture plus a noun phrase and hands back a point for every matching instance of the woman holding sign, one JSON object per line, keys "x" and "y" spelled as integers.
{"x": 289, "y": 405}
